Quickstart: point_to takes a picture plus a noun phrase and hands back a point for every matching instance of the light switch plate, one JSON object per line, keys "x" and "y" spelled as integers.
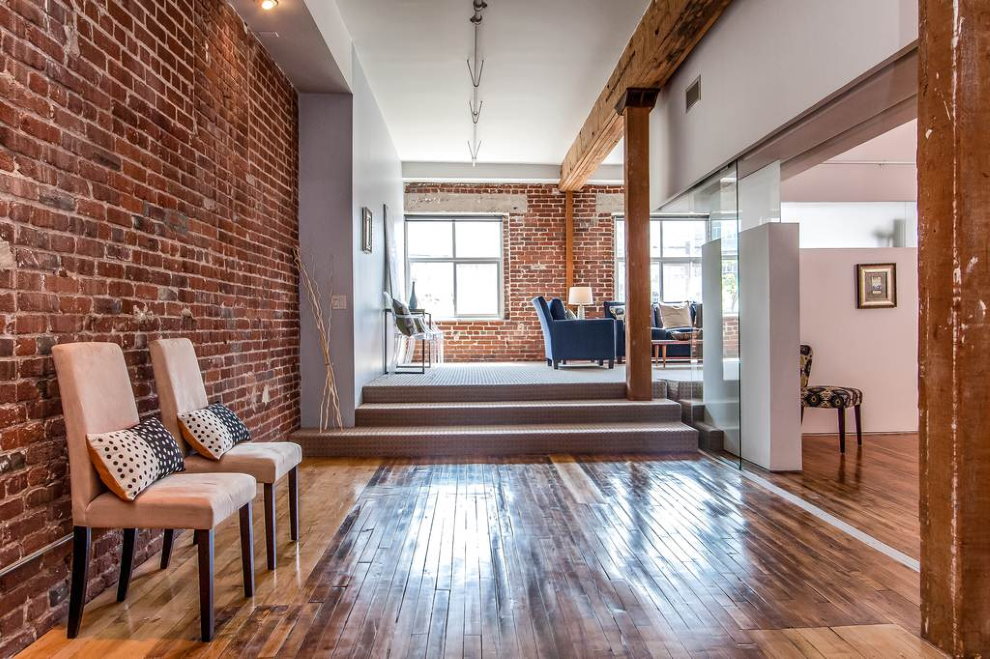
{"x": 338, "y": 301}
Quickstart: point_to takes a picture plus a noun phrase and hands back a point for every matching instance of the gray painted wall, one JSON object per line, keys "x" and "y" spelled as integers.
{"x": 346, "y": 161}
{"x": 377, "y": 182}
{"x": 325, "y": 239}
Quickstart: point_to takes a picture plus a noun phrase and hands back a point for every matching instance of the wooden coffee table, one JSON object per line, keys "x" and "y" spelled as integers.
{"x": 659, "y": 347}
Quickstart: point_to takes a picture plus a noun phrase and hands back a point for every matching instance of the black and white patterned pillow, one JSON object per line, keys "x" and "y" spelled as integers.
{"x": 128, "y": 461}
{"x": 213, "y": 430}
{"x": 238, "y": 430}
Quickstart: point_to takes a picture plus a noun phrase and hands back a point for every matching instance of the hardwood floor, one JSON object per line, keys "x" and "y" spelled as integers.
{"x": 874, "y": 488}
{"x": 543, "y": 557}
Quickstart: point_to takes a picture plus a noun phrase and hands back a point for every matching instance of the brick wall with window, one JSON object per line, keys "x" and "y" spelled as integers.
{"x": 533, "y": 264}
{"x": 148, "y": 188}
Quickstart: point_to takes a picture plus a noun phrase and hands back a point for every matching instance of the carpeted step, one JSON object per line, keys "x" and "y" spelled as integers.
{"x": 612, "y": 410}
{"x": 476, "y": 393}
{"x": 492, "y": 440}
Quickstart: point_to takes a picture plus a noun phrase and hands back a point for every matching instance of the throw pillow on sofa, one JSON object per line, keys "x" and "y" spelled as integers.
{"x": 675, "y": 315}
{"x": 128, "y": 461}
{"x": 619, "y": 312}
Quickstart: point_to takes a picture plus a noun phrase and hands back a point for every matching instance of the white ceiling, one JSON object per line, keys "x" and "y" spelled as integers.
{"x": 545, "y": 63}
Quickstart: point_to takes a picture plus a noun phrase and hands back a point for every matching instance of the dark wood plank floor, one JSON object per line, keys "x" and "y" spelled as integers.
{"x": 546, "y": 557}
{"x": 873, "y": 487}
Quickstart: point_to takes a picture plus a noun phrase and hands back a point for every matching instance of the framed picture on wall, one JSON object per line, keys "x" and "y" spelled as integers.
{"x": 876, "y": 285}
{"x": 366, "y": 229}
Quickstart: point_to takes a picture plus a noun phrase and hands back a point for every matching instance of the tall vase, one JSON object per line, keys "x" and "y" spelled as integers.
{"x": 413, "y": 300}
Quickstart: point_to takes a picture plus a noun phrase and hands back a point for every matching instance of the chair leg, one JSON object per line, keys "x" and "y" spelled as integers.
{"x": 601, "y": 361}
{"x": 247, "y": 549}
{"x": 842, "y": 429}
{"x": 549, "y": 363}
{"x": 167, "y": 541}
{"x": 611, "y": 363}
{"x": 859, "y": 425}
{"x": 126, "y": 563}
{"x": 204, "y": 545}
{"x": 81, "y": 541}
{"x": 270, "y": 524}
{"x": 556, "y": 365}
{"x": 294, "y": 504}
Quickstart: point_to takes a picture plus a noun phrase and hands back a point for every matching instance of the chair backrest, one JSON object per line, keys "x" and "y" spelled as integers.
{"x": 96, "y": 398}
{"x": 179, "y": 382}
{"x": 807, "y": 355}
{"x": 543, "y": 313}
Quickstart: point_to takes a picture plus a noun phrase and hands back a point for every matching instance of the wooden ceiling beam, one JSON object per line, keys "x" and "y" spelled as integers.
{"x": 667, "y": 33}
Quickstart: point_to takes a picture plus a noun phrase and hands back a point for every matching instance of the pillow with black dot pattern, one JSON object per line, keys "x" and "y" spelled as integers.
{"x": 206, "y": 432}
{"x": 237, "y": 429}
{"x": 128, "y": 461}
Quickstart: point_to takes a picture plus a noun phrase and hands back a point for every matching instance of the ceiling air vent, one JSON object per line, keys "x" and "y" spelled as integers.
{"x": 693, "y": 94}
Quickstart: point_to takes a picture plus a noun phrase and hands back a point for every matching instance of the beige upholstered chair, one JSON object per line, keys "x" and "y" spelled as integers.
{"x": 97, "y": 398}
{"x": 181, "y": 390}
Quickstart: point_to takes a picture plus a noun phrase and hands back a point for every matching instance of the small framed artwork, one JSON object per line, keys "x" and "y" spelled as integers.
{"x": 366, "y": 229}
{"x": 876, "y": 285}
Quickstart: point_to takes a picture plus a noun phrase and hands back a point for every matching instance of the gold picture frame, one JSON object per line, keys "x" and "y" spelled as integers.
{"x": 876, "y": 285}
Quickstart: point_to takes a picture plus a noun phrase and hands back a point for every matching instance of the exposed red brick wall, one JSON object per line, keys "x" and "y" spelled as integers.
{"x": 148, "y": 188}
{"x": 534, "y": 265}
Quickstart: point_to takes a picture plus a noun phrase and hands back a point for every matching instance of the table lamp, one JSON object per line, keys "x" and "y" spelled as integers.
{"x": 580, "y": 296}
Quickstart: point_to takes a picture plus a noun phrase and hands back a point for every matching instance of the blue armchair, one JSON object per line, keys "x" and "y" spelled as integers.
{"x": 574, "y": 339}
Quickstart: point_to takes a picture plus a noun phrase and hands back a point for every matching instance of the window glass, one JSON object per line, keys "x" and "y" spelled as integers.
{"x": 456, "y": 265}
{"x": 477, "y": 289}
{"x": 683, "y": 238}
{"x": 681, "y": 281}
{"x": 434, "y": 287}
{"x": 620, "y": 240}
{"x": 656, "y": 231}
{"x": 478, "y": 239}
{"x": 429, "y": 239}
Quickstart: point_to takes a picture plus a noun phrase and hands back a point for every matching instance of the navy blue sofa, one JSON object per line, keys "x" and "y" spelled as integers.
{"x": 659, "y": 332}
{"x": 565, "y": 339}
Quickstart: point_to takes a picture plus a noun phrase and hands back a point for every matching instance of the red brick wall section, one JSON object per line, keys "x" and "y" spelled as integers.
{"x": 148, "y": 188}
{"x": 534, "y": 265}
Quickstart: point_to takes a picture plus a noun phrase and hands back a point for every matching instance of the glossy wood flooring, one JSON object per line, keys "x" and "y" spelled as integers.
{"x": 873, "y": 487}
{"x": 545, "y": 557}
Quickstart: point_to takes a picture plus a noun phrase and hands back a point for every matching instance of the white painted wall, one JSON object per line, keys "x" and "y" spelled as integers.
{"x": 841, "y": 224}
{"x": 844, "y": 181}
{"x": 763, "y": 64}
{"x": 769, "y": 336}
{"x": 377, "y": 182}
{"x": 346, "y": 161}
{"x": 875, "y": 350}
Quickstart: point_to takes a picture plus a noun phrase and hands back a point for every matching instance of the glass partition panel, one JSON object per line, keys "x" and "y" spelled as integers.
{"x": 702, "y": 265}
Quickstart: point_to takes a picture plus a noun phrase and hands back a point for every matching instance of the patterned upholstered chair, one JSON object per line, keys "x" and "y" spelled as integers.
{"x": 830, "y": 396}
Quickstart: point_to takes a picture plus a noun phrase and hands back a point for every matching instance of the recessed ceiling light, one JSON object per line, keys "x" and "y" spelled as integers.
{"x": 268, "y": 5}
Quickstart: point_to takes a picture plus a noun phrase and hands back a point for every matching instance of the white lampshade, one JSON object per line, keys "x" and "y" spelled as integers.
{"x": 580, "y": 295}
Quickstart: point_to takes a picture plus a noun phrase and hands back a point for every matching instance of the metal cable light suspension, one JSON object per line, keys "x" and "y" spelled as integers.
{"x": 475, "y": 71}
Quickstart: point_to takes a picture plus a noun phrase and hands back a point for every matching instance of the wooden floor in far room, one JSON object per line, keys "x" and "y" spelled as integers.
{"x": 873, "y": 487}
{"x": 542, "y": 557}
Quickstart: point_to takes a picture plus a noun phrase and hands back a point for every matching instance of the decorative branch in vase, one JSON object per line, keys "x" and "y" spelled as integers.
{"x": 329, "y": 402}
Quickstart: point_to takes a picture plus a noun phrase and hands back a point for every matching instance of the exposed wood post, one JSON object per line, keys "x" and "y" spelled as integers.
{"x": 954, "y": 334}
{"x": 568, "y": 242}
{"x": 635, "y": 106}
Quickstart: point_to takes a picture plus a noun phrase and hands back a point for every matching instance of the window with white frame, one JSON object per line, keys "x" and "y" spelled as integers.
{"x": 675, "y": 258}
{"x": 456, "y": 264}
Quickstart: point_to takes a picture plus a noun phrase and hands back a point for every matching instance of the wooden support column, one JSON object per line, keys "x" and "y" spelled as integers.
{"x": 635, "y": 106}
{"x": 954, "y": 334}
{"x": 568, "y": 242}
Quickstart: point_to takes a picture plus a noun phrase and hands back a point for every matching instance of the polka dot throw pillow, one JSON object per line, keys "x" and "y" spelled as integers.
{"x": 128, "y": 461}
{"x": 213, "y": 430}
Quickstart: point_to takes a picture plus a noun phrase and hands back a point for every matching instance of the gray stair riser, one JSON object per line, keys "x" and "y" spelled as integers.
{"x": 492, "y": 393}
{"x": 484, "y": 393}
{"x": 480, "y": 444}
{"x": 412, "y": 415}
